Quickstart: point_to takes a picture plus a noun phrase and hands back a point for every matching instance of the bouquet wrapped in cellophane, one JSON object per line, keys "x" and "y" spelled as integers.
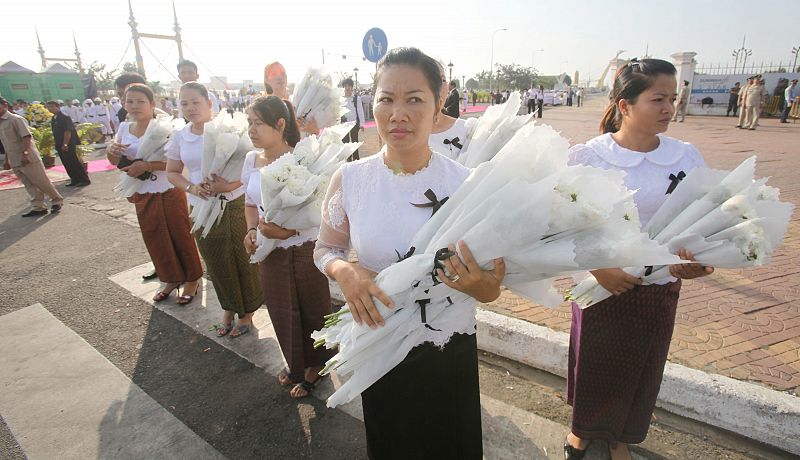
{"x": 225, "y": 145}
{"x": 526, "y": 205}
{"x": 151, "y": 148}
{"x": 294, "y": 186}
{"x": 317, "y": 98}
{"x": 492, "y": 131}
{"x": 727, "y": 219}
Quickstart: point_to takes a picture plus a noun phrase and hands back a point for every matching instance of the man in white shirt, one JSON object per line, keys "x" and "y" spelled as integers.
{"x": 531, "y": 96}
{"x": 790, "y": 94}
{"x": 356, "y": 114}
{"x": 187, "y": 71}
{"x": 102, "y": 116}
{"x": 366, "y": 102}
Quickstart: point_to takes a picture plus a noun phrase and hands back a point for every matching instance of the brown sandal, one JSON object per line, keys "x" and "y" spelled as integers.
{"x": 186, "y": 299}
{"x": 163, "y": 295}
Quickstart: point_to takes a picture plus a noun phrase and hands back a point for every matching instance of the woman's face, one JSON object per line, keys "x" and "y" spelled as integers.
{"x": 261, "y": 134}
{"x": 138, "y": 106}
{"x": 278, "y": 83}
{"x": 404, "y": 108}
{"x": 194, "y": 106}
{"x": 653, "y": 109}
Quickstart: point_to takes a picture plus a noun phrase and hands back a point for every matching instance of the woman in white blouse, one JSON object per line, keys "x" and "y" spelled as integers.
{"x": 449, "y": 134}
{"x": 160, "y": 208}
{"x": 296, "y": 293}
{"x": 428, "y": 406}
{"x": 235, "y": 278}
{"x": 618, "y": 347}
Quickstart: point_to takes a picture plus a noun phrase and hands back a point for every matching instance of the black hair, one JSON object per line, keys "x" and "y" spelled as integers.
{"x": 193, "y": 85}
{"x": 129, "y": 78}
{"x": 347, "y": 82}
{"x": 631, "y": 80}
{"x": 454, "y": 83}
{"x": 415, "y": 58}
{"x": 184, "y": 63}
{"x": 270, "y": 109}
{"x": 141, "y": 88}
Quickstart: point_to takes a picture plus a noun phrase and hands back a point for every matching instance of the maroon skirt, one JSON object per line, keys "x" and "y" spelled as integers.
{"x": 617, "y": 352}
{"x": 297, "y": 298}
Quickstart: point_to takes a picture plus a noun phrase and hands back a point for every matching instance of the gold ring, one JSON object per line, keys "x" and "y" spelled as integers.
{"x": 455, "y": 278}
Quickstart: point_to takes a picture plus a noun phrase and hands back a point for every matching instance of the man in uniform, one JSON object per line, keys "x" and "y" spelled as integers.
{"x": 733, "y": 100}
{"x": 742, "y": 100}
{"x": 24, "y": 159}
{"x": 790, "y": 93}
{"x": 682, "y": 103}
{"x": 102, "y": 116}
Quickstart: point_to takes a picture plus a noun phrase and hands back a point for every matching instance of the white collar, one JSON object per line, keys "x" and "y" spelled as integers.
{"x": 668, "y": 152}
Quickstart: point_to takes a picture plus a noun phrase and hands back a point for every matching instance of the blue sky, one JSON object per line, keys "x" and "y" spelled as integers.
{"x": 237, "y": 37}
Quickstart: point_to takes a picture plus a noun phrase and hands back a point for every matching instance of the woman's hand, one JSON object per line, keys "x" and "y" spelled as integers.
{"x": 689, "y": 271}
{"x": 116, "y": 149}
{"x": 216, "y": 184}
{"x": 469, "y": 278}
{"x": 274, "y": 231}
{"x": 615, "y": 280}
{"x": 308, "y": 125}
{"x": 137, "y": 168}
{"x": 358, "y": 286}
{"x": 199, "y": 192}
{"x": 250, "y": 241}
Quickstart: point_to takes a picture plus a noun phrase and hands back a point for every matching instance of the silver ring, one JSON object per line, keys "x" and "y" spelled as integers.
{"x": 455, "y": 278}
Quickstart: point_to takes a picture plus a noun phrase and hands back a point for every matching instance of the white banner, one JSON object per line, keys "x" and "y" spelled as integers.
{"x": 710, "y": 93}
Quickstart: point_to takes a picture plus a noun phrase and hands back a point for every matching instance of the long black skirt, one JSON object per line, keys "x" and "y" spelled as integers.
{"x": 428, "y": 407}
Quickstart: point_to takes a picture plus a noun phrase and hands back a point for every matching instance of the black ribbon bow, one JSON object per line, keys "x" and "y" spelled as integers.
{"x": 440, "y": 256}
{"x": 434, "y": 203}
{"x": 455, "y": 141}
{"x": 408, "y": 254}
{"x": 675, "y": 180}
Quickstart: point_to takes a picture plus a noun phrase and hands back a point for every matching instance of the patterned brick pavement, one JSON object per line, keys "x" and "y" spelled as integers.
{"x": 743, "y": 324}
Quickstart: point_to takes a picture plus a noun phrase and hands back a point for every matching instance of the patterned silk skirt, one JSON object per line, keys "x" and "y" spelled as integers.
{"x": 617, "y": 352}
{"x": 235, "y": 278}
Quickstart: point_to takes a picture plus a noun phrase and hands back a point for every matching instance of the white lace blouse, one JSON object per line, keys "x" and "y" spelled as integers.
{"x": 187, "y": 147}
{"x": 251, "y": 184}
{"x": 650, "y": 173}
{"x": 450, "y": 142}
{"x": 369, "y": 208}
{"x": 157, "y": 183}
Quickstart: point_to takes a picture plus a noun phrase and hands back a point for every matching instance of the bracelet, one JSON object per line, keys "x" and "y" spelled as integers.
{"x": 251, "y": 228}
{"x": 189, "y": 187}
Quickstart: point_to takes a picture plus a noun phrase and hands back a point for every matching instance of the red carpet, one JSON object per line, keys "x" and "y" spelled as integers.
{"x": 94, "y": 166}
{"x": 9, "y": 181}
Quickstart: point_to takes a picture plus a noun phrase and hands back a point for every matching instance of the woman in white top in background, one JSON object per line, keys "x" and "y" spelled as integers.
{"x": 296, "y": 293}
{"x": 160, "y": 208}
{"x": 428, "y": 406}
{"x": 235, "y": 278}
{"x": 449, "y": 134}
{"x": 618, "y": 347}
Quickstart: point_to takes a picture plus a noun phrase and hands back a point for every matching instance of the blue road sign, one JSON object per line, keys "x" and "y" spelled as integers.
{"x": 375, "y": 44}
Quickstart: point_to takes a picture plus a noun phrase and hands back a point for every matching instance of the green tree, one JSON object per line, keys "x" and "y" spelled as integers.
{"x": 130, "y": 67}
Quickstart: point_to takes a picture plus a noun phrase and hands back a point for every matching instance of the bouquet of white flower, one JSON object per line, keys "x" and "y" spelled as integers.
{"x": 492, "y": 131}
{"x": 293, "y": 186}
{"x": 151, "y": 148}
{"x": 726, "y": 219}
{"x": 317, "y": 98}
{"x": 546, "y": 219}
{"x": 225, "y": 145}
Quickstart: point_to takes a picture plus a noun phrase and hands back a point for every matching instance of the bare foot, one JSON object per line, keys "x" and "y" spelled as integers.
{"x": 577, "y": 442}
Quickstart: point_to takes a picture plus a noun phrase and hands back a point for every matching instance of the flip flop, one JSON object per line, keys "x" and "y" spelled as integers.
{"x": 224, "y": 329}
{"x": 307, "y": 386}
{"x": 239, "y": 330}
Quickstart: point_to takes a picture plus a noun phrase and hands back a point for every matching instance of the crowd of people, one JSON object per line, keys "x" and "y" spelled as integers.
{"x": 429, "y": 405}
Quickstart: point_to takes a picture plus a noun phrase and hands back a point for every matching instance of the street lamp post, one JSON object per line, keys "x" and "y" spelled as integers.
{"x": 743, "y": 53}
{"x": 795, "y": 51}
{"x": 533, "y": 68}
{"x": 464, "y": 81}
{"x": 355, "y": 75}
{"x": 491, "y": 63}
{"x": 450, "y": 67}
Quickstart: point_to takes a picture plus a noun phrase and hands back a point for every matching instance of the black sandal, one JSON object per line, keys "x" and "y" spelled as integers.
{"x": 573, "y": 453}
{"x": 307, "y": 386}
{"x": 163, "y": 295}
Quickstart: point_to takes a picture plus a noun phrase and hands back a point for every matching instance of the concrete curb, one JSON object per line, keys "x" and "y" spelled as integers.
{"x": 750, "y": 410}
